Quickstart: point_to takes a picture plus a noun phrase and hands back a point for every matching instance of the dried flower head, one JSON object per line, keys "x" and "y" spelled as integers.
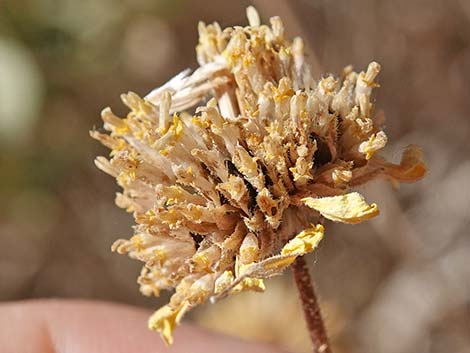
{"x": 229, "y": 170}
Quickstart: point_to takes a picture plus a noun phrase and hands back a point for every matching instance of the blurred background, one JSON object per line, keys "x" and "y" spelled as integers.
{"x": 400, "y": 283}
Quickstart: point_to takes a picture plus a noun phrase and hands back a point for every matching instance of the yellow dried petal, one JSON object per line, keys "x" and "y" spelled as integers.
{"x": 165, "y": 319}
{"x": 349, "y": 208}
{"x": 305, "y": 241}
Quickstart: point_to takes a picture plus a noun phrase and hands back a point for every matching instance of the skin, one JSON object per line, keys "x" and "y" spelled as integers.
{"x": 66, "y": 326}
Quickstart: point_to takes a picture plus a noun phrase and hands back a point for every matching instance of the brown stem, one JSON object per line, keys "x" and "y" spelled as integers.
{"x": 310, "y": 306}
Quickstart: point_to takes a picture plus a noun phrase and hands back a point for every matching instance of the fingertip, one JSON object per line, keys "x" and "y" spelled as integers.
{"x": 77, "y": 326}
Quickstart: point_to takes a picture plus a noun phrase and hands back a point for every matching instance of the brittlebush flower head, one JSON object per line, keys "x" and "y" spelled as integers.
{"x": 230, "y": 170}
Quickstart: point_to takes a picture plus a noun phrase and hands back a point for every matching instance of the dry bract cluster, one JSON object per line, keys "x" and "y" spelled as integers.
{"x": 229, "y": 170}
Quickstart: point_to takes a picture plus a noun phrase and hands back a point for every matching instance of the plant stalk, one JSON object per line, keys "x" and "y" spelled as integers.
{"x": 310, "y": 307}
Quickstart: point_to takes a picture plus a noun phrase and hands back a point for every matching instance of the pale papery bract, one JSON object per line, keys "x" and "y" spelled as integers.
{"x": 230, "y": 170}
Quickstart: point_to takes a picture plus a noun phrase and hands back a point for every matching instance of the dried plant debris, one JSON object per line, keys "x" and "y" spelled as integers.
{"x": 235, "y": 192}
